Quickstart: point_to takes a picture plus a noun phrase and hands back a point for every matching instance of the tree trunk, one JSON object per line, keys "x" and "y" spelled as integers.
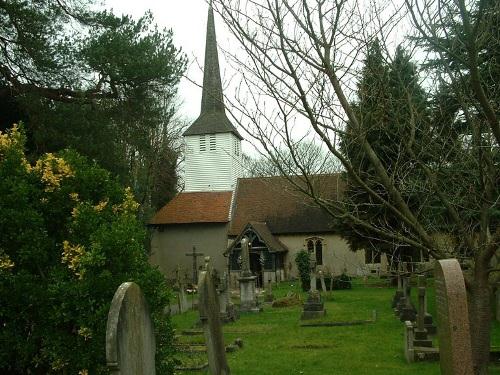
{"x": 480, "y": 320}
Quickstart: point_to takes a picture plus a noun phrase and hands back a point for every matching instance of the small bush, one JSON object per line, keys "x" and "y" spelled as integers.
{"x": 303, "y": 266}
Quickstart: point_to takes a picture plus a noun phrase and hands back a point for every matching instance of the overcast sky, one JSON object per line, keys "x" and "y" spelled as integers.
{"x": 188, "y": 20}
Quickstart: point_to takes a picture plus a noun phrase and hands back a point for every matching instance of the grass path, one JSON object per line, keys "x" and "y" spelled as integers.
{"x": 275, "y": 344}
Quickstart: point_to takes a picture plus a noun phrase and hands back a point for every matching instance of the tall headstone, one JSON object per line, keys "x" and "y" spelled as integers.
{"x": 313, "y": 306}
{"x": 181, "y": 296}
{"x": 407, "y": 311}
{"x": 248, "y": 296}
{"x": 130, "y": 339}
{"x": 209, "y": 310}
{"x": 399, "y": 292}
{"x": 228, "y": 312}
{"x": 453, "y": 319}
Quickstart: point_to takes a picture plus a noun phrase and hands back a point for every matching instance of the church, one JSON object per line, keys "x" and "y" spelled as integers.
{"x": 218, "y": 207}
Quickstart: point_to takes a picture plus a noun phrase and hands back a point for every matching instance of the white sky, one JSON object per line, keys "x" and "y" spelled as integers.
{"x": 188, "y": 20}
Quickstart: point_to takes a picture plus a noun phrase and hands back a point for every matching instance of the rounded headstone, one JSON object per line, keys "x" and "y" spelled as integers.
{"x": 130, "y": 339}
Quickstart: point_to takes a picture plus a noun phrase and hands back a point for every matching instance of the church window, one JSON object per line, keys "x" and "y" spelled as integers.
{"x": 203, "y": 143}
{"x": 213, "y": 143}
{"x": 315, "y": 246}
{"x": 319, "y": 252}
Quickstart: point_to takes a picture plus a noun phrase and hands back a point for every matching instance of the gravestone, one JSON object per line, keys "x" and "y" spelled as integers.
{"x": 421, "y": 335}
{"x": 313, "y": 306}
{"x": 453, "y": 319}
{"x": 406, "y": 310}
{"x": 181, "y": 296}
{"x": 409, "y": 339}
{"x": 248, "y": 296}
{"x": 322, "y": 279}
{"x": 228, "y": 312}
{"x": 399, "y": 292}
{"x": 130, "y": 339}
{"x": 209, "y": 309}
{"x": 269, "y": 292}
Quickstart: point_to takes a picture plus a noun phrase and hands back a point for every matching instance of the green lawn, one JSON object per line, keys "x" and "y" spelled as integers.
{"x": 275, "y": 344}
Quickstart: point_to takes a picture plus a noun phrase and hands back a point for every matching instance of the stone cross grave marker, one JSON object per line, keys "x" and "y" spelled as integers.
{"x": 454, "y": 334}
{"x": 130, "y": 339}
{"x": 312, "y": 272}
{"x": 421, "y": 334}
{"x": 313, "y": 306}
{"x": 248, "y": 297}
{"x": 209, "y": 310}
{"x": 195, "y": 255}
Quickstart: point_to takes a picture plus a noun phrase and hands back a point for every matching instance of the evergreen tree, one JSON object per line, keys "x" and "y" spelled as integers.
{"x": 393, "y": 111}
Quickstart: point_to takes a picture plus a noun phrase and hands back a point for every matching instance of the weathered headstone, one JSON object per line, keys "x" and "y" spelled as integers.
{"x": 407, "y": 311}
{"x": 209, "y": 310}
{"x": 228, "y": 312}
{"x": 453, "y": 319}
{"x": 248, "y": 297}
{"x": 421, "y": 335}
{"x": 130, "y": 339}
{"x": 399, "y": 292}
{"x": 269, "y": 292}
{"x": 314, "y": 306}
{"x": 409, "y": 338}
{"x": 322, "y": 279}
{"x": 181, "y": 296}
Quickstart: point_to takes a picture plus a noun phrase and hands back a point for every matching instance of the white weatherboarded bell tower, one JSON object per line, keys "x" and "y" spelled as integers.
{"x": 212, "y": 144}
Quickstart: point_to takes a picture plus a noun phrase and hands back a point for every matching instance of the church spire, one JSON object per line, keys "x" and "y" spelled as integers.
{"x": 212, "y": 99}
{"x": 212, "y": 119}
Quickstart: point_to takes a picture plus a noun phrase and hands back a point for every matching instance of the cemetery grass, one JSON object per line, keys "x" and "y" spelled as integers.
{"x": 275, "y": 344}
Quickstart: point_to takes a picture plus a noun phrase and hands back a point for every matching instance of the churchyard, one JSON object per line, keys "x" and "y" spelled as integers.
{"x": 274, "y": 342}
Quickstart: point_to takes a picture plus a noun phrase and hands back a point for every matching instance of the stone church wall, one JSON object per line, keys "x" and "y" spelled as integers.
{"x": 336, "y": 254}
{"x": 170, "y": 244}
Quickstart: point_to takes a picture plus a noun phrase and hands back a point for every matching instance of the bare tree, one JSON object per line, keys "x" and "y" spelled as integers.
{"x": 302, "y": 60}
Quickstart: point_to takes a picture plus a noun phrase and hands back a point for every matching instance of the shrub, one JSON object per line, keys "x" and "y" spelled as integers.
{"x": 68, "y": 238}
{"x": 303, "y": 266}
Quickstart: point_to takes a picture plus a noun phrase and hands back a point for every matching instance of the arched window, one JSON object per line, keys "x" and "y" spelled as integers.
{"x": 315, "y": 245}
{"x": 319, "y": 252}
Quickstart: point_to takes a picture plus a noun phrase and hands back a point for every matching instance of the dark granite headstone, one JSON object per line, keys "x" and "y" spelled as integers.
{"x": 130, "y": 339}
{"x": 453, "y": 319}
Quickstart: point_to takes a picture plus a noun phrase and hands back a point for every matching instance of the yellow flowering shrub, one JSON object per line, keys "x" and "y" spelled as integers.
{"x": 52, "y": 170}
{"x": 69, "y": 220}
{"x": 85, "y": 332}
{"x": 10, "y": 140}
{"x": 129, "y": 205}
{"x": 72, "y": 256}
{"x": 6, "y": 264}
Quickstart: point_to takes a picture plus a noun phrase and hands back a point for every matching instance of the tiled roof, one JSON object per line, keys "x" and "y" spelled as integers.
{"x": 274, "y": 245}
{"x": 211, "y": 123}
{"x": 276, "y": 202}
{"x": 196, "y": 207}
